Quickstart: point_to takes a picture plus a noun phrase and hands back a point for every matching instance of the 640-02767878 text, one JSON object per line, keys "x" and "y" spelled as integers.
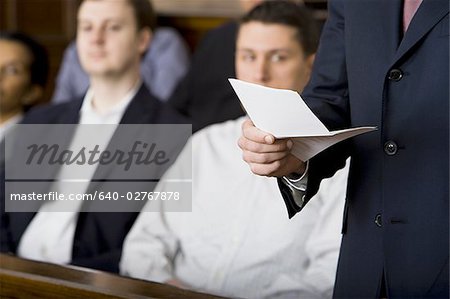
{"x": 102, "y": 195}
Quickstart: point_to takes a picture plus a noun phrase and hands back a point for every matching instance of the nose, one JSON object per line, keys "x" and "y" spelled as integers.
{"x": 262, "y": 73}
{"x": 98, "y": 36}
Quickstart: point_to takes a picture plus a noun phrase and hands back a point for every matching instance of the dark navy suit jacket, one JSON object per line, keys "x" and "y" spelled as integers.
{"x": 205, "y": 94}
{"x": 99, "y": 236}
{"x": 396, "y": 218}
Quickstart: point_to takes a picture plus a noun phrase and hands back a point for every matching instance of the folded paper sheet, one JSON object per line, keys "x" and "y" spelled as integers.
{"x": 284, "y": 114}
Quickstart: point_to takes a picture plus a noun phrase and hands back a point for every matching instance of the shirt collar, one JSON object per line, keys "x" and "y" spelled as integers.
{"x": 116, "y": 110}
{"x": 9, "y": 123}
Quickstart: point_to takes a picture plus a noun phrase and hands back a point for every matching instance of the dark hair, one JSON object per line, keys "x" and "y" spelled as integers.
{"x": 39, "y": 66}
{"x": 143, "y": 13}
{"x": 291, "y": 14}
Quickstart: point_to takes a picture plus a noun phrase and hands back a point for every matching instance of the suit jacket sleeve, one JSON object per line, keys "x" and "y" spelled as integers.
{"x": 327, "y": 96}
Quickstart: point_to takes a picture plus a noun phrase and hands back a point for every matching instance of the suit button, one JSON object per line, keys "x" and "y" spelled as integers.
{"x": 378, "y": 220}
{"x": 390, "y": 148}
{"x": 395, "y": 75}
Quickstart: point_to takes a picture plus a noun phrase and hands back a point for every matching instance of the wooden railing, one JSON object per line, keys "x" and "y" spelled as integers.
{"x": 21, "y": 278}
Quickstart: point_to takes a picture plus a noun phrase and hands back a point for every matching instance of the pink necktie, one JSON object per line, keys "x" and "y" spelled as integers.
{"x": 409, "y": 9}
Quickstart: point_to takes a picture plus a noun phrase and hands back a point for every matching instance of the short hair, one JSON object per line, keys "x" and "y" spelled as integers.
{"x": 39, "y": 66}
{"x": 291, "y": 14}
{"x": 144, "y": 13}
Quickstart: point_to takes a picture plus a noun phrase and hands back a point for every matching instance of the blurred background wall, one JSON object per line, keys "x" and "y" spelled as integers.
{"x": 53, "y": 22}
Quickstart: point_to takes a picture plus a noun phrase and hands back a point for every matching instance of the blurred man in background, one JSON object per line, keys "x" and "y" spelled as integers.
{"x": 112, "y": 37}
{"x": 23, "y": 74}
{"x": 164, "y": 63}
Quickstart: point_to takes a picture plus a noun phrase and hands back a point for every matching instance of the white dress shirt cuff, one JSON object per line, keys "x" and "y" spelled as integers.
{"x": 298, "y": 186}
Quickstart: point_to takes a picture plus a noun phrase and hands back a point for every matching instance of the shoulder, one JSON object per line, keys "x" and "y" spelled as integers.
{"x": 166, "y": 34}
{"x": 70, "y": 53}
{"x": 146, "y": 108}
{"x": 165, "y": 37}
{"x": 51, "y": 113}
{"x": 227, "y": 29}
{"x": 226, "y": 128}
{"x": 225, "y": 32}
{"x": 220, "y": 135}
{"x": 169, "y": 115}
{"x": 217, "y": 46}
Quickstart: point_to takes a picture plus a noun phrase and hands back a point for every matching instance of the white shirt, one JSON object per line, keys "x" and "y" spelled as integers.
{"x": 49, "y": 236}
{"x": 238, "y": 240}
{"x": 8, "y": 124}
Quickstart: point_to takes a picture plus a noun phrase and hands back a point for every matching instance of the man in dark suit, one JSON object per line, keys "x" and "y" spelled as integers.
{"x": 204, "y": 94}
{"x": 374, "y": 69}
{"x": 111, "y": 39}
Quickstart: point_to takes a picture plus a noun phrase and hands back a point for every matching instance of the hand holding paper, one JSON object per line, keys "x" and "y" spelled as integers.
{"x": 284, "y": 114}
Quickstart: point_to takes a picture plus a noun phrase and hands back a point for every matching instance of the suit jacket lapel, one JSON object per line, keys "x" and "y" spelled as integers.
{"x": 72, "y": 113}
{"x": 142, "y": 109}
{"x": 428, "y": 14}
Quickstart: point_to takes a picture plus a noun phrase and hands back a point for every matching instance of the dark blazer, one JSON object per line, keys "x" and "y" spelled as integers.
{"x": 98, "y": 236}
{"x": 396, "y": 221}
{"x": 205, "y": 95}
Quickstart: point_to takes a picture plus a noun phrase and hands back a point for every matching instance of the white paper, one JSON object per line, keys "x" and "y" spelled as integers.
{"x": 284, "y": 114}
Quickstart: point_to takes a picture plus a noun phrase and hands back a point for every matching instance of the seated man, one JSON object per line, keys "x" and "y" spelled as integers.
{"x": 111, "y": 40}
{"x": 164, "y": 64}
{"x": 204, "y": 94}
{"x": 24, "y": 69}
{"x": 231, "y": 244}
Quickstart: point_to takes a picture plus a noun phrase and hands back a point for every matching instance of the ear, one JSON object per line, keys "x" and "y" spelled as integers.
{"x": 33, "y": 94}
{"x": 310, "y": 60}
{"x": 144, "y": 39}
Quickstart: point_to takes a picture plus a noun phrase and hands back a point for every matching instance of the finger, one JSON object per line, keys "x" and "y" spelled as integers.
{"x": 280, "y": 145}
{"x": 265, "y": 158}
{"x": 251, "y": 132}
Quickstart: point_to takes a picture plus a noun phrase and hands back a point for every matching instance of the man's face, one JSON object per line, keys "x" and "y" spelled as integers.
{"x": 270, "y": 55}
{"x": 15, "y": 77}
{"x": 108, "y": 41}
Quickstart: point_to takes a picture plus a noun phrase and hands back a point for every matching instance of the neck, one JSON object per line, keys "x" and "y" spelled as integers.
{"x": 108, "y": 91}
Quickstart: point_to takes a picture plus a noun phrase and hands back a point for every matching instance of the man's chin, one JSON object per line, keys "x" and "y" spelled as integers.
{"x": 101, "y": 72}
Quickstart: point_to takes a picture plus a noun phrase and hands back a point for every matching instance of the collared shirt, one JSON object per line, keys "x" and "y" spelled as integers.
{"x": 8, "y": 124}
{"x": 238, "y": 240}
{"x": 49, "y": 236}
